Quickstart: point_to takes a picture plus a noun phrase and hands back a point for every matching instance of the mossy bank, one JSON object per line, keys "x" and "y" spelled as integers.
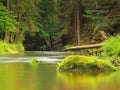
{"x": 85, "y": 64}
{"x": 11, "y": 48}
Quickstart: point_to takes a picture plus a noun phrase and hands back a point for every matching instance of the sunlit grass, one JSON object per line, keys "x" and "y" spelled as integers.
{"x": 11, "y": 48}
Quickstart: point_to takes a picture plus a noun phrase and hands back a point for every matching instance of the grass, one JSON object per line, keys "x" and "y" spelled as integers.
{"x": 85, "y": 64}
{"x": 6, "y": 48}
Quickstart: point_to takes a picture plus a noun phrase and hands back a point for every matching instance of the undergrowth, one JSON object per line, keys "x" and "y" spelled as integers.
{"x": 111, "y": 46}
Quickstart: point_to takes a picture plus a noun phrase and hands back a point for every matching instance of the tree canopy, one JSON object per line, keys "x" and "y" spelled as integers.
{"x": 50, "y": 24}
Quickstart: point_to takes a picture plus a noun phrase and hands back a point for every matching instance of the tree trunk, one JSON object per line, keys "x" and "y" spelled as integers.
{"x": 8, "y": 5}
{"x": 78, "y": 25}
{"x": 30, "y": 25}
{"x": 19, "y": 20}
{"x": 51, "y": 40}
{"x": 84, "y": 47}
{"x": 6, "y": 38}
{"x": 77, "y": 20}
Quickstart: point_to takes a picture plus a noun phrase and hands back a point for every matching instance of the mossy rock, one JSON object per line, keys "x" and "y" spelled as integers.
{"x": 34, "y": 61}
{"x": 85, "y": 64}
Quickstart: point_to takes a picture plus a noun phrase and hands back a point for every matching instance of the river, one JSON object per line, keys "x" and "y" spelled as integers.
{"x": 16, "y": 73}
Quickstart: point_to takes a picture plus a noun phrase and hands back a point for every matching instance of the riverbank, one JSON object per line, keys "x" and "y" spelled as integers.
{"x": 11, "y": 48}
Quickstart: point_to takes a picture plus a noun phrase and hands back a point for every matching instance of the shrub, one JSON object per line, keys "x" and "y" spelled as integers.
{"x": 85, "y": 64}
{"x": 111, "y": 46}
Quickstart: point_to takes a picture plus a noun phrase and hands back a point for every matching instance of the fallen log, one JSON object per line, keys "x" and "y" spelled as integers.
{"x": 84, "y": 47}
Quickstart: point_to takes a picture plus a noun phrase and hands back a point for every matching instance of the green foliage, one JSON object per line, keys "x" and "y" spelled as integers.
{"x": 85, "y": 64}
{"x": 28, "y": 9}
{"x": 100, "y": 18}
{"x": 111, "y": 46}
{"x": 90, "y": 4}
{"x": 19, "y": 47}
{"x": 102, "y": 2}
{"x": 6, "y": 48}
{"x": 47, "y": 25}
{"x": 98, "y": 21}
{"x": 7, "y": 19}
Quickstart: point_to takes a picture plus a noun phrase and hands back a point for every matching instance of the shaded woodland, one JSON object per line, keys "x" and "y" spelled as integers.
{"x": 54, "y": 24}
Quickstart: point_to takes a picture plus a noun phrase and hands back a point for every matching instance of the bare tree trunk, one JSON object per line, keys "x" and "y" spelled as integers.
{"x": 84, "y": 47}
{"x": 78, "y": 25}
{"x": 77, "y": 18}
{"x": 8, "y": 5}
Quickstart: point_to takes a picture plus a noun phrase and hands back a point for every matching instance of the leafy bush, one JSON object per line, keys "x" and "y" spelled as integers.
{"x": 111, "y": 46}
{"x": 85, "y": 64}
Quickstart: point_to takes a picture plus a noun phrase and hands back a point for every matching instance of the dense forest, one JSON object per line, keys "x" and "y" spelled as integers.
{"x": 54, "y": 24}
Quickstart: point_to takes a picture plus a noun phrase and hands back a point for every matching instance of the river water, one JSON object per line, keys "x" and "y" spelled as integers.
{"x": 16, "y": 73}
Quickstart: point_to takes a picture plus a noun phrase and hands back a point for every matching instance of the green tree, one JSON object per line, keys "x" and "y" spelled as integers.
{"x": 48, "y": 20}
{"x": 26, "y": 11}
{"x": 7, "y": 22}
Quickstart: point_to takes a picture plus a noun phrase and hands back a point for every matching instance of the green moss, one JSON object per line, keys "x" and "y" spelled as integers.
{"x": 85, "y": 64}
{"x": 10, "y": 48}
{"x": 34, "y": 61}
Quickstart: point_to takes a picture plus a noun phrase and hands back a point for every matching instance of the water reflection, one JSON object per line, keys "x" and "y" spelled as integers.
{"x": 23, "y": 76}
{"x": 78, "y": 81}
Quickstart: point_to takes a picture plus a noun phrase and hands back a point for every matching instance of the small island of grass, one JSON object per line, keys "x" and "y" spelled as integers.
{"x": 85, "y": 64}
{"x": 11, "y": 48}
